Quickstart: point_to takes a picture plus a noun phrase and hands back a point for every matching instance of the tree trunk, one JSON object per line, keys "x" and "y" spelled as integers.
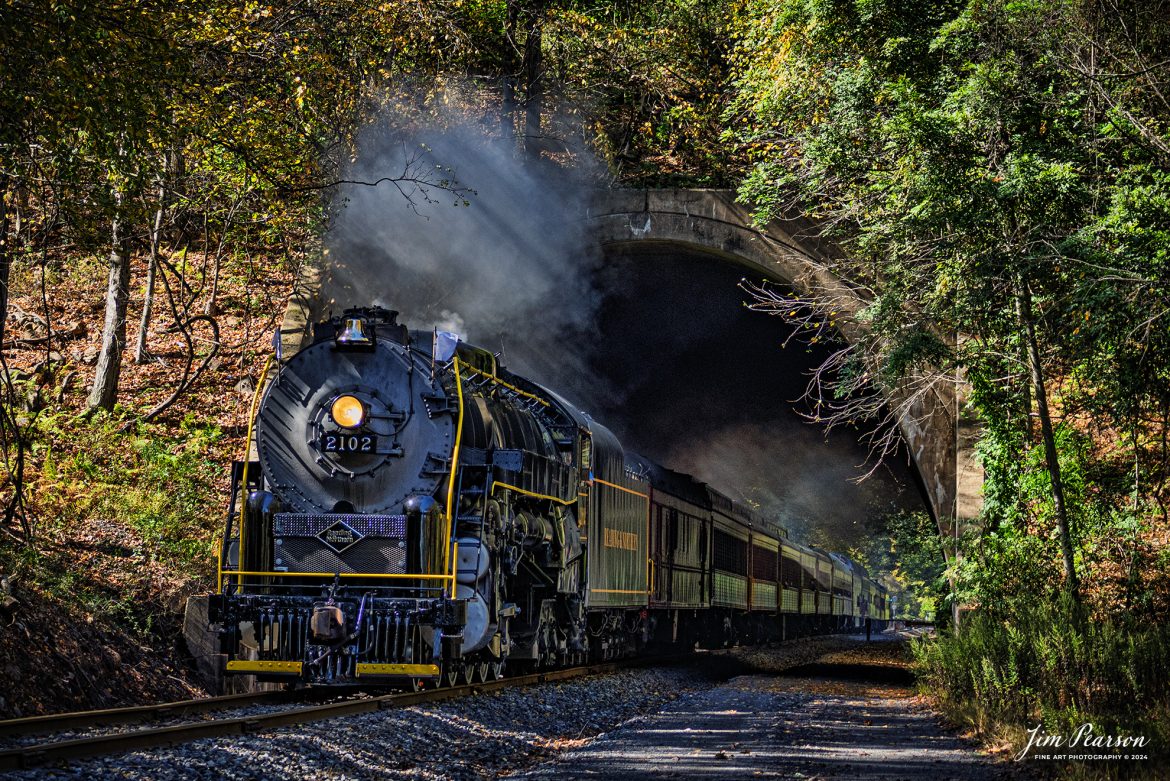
{"x": 1024, "y": 307}
{"x": 1026, "y": 407}
{"x": 508, "y": 110}
{"x": 5, "y": 255}
{"x": 533, "y": 63}
{"x": 140, "y": 352}
{"x": 1027, "y": 359}
{"x": 109, "y": 365}
{"x": 210, "y": 308}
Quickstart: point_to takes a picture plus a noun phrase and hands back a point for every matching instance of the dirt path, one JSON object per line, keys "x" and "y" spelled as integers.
{"x": 852, "y": 714}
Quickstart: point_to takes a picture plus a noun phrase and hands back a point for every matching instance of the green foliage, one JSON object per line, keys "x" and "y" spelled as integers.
{"x": 904, "y": 548}
{"x": 124, "y": 511}
{"x": 142, "y": 485}
{"x": 984, "y": 181}
{"x": 57, "y": 573}
{"x": 1044, "y": 663}
{"x": 648, "y": 81}
{"x": 243, "y": 111}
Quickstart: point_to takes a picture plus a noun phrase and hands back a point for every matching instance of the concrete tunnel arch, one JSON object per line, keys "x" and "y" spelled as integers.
{"x": 938, "y": 433}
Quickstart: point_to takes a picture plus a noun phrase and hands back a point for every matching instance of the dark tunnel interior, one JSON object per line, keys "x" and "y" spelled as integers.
{"x": 702, "y": 384}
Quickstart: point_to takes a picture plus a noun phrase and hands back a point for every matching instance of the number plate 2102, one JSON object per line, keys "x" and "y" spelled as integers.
{"x": 349, "y": 443}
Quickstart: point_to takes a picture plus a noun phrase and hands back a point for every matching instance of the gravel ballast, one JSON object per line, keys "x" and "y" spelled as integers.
{"x": 481, "y": 736}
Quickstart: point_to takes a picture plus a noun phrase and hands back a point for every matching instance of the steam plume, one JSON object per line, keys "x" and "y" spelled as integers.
{"x": 511, "y": 270}
{"x": 657, "y": 346}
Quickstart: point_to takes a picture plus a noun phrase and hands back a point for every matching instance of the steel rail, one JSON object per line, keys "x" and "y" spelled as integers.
{"x": 61, "y": 722}
{"x": 37, "y": 755}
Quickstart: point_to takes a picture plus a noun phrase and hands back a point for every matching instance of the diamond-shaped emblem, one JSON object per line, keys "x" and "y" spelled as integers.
{"x": 340, "y": 536}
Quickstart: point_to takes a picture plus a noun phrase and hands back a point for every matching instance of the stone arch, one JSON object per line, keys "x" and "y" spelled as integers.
{"x": 939, "y": 435}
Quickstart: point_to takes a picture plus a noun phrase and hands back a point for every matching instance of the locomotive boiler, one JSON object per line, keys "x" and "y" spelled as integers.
{"x": 411, "y": 511}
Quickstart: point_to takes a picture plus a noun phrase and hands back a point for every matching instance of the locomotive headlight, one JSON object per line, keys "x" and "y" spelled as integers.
{"x": 348, "y": 411}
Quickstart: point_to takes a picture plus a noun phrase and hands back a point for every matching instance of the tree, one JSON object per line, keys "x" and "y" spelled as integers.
{"x": 969, "y": 158}
{"x": 105, "y": 384}
{"x": 648, "y": 83}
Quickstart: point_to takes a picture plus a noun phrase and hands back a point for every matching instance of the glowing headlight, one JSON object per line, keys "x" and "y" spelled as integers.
{"x": 348, "y": 412}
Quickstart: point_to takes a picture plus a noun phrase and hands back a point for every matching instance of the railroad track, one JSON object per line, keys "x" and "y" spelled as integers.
{"x": 56, "y": 751}
{"x": 81, "y": 720}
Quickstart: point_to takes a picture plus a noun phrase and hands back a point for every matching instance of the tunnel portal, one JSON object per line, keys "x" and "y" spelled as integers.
{"x": 937, "y": 430}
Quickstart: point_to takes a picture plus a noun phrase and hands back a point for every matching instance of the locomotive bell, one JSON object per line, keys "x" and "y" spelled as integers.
{"x": 327, "y": 623}
{"x": 354, "y": 333}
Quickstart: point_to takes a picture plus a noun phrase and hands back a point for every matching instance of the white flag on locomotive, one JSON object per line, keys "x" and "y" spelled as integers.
{"x": 443, "y": 345}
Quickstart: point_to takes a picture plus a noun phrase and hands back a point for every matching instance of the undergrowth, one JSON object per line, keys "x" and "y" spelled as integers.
{"x": 154, "y": 481}
{"x": 124, "y": 513}
{"x": 1006, "y": 672}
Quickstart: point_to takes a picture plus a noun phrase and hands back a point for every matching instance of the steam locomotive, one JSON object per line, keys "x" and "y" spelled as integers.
{"x": 413, "y": 513}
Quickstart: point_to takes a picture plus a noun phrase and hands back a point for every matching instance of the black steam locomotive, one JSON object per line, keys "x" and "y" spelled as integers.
{"x": 414, "y": 512}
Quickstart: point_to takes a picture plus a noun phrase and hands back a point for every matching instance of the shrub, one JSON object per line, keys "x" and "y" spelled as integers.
{"x": 1049, "y": 665}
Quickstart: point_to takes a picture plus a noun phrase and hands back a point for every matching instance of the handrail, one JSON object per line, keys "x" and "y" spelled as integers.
{"x": 509, "y": 386}
{"x": 621, "y": 488}
{"x": 454, "y": 465}
{"x": 499, "y": 484}
{"x": 449, "y": 572}
{"x": 454, "y": 565}
{"x": 382, "y": 575}
{"x": 244, "y": 474}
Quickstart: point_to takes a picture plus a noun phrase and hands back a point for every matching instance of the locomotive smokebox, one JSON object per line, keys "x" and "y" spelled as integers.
{"x": 327, "y": 623}
{"x": 354, "y": 424}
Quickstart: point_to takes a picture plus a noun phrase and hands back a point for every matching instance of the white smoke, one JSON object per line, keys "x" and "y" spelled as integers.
{"x": 510, "y": 271}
